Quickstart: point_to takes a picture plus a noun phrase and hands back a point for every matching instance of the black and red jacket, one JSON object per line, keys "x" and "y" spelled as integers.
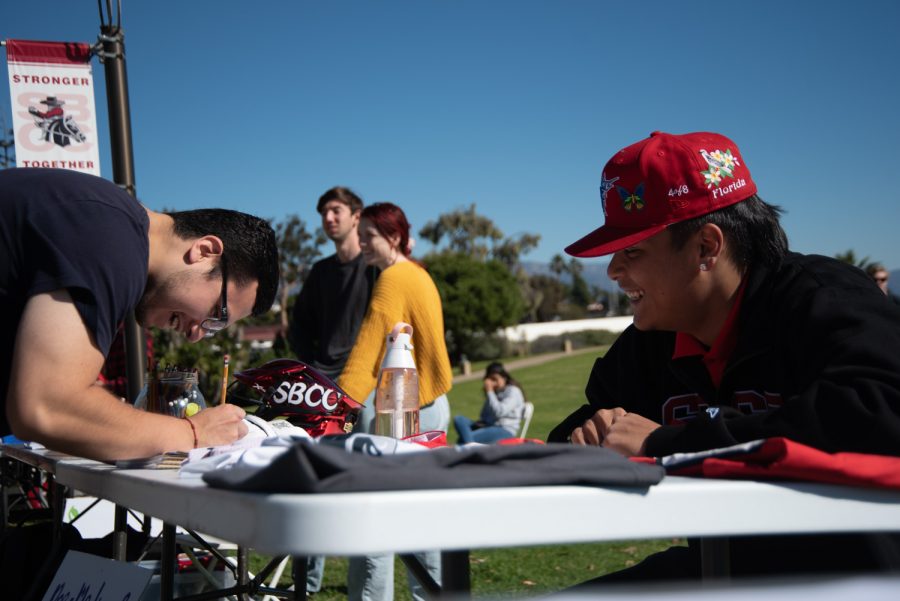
{"x": 817, "y": 360}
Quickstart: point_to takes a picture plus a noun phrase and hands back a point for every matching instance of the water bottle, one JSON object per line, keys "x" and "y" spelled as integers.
{"x": 397, "y": 392}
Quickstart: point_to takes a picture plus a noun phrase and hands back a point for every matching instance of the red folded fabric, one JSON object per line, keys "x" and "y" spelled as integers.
{"x": 783, "y": 459}
{"x": 514, "y": 441}
{"x": 432, "y": 439}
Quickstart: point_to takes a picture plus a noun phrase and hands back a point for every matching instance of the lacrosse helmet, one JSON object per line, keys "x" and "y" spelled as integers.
{"x": 297, "y": 392}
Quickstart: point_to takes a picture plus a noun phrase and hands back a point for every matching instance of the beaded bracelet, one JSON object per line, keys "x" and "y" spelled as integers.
{"x": 193, "y": 430}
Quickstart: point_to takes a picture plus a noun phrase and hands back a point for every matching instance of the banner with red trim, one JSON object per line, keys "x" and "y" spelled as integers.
{"x": 52, "y": 93}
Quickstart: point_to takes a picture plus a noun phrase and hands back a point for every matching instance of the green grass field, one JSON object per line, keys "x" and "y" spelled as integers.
{"x": 556, "y": 388}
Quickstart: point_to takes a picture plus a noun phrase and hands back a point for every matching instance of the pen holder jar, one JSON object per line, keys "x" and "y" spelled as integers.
{"x": 174, "y": 392}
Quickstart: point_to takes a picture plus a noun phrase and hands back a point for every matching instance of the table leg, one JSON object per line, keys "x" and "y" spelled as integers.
{"x": 243, "y": 568}
{"x": 298, "y": 575}
{"x": 418, "y": 570}
{"x": 58, "y": 507}
{"x": 167, "y": 561}
{"x": 57, "y": 501}
{"x": 455, "y": 576}
{"x": 120, "y": 534}
{"x": 4, "y": 492}
{"x": 715, "y": 558}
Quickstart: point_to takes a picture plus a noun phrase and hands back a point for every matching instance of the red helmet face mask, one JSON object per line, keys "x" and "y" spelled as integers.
{"x": 298, "y": 392}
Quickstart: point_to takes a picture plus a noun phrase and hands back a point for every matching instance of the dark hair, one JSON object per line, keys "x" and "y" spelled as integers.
{"x": 752, "y": 228}
{"x": 390, "y": 221}
{"x": 250, "y": 247}
{"x": 344, "y": 195}
{"x": 874, "y": 268}
{"x": 497, "y": 368}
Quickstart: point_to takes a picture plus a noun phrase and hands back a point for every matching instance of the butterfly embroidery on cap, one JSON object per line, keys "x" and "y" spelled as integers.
{"x": 632, "y": 201}
{"x": 605, "y": 186}
{"x": 721, "y": 164}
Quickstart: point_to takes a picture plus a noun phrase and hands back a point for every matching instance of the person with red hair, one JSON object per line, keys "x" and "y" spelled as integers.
{"x": 404, "y": 292}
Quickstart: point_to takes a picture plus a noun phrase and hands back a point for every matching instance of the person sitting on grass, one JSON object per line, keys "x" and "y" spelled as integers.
{"x": 501, "y": 415}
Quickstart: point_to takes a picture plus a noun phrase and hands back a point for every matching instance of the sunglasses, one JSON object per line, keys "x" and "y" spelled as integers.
{"x": 212, "y": 325}
{"x": 881, "y": 279}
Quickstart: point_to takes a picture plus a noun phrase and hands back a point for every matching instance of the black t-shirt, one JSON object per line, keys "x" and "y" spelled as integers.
{"x": 64, "y": 229}
{"x": 329, "y": 311}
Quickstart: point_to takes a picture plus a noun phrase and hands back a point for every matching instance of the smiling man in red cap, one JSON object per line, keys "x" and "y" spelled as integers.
{"x": 734, "y": 337}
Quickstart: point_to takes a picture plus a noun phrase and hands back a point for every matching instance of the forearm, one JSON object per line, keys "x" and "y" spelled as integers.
{"x": 493, "y": 404}
{"x": 510, "y": 407}
{"x": 95, "y": 424}
{"x": 53, "y": 397}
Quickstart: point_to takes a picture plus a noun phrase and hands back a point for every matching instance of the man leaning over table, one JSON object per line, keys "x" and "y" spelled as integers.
{"x": 734, "y": 339}
{"x": 76, "y": 254}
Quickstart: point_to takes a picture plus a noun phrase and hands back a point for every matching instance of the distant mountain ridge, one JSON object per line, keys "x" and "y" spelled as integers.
{"x": 594, "y": 273}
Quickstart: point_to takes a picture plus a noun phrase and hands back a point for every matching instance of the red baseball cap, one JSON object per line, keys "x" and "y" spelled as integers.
{"x": 661, "y": 180}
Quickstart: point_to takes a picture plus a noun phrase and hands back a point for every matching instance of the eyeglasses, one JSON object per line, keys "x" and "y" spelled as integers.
{"x": 212, "y": 325}
{"x": 881, "y": 279}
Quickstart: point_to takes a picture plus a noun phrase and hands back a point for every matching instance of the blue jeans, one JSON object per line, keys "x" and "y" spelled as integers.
{"x": 315, "y": 570}
{"x": 371, "y": 578}
{"x": 484, "y": 435}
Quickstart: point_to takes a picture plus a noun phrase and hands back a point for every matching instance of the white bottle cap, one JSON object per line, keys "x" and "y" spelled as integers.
{"x": 399, "y": 347}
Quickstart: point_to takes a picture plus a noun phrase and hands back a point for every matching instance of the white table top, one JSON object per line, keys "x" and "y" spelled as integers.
{"x": 459, "y": 519}
{"x": 42, "y": 458}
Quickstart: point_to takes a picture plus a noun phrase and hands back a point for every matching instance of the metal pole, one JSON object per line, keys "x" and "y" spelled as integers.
{"x": 113, "y": 41}
{"x": 6, "y": 143}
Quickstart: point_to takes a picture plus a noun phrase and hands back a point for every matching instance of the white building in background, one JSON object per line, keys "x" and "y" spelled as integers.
{"x": 262, "y": 337}
{"x": 528, "y": 332}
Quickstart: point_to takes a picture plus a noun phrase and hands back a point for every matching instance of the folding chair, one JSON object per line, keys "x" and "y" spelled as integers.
{"x": 527, "y": 413}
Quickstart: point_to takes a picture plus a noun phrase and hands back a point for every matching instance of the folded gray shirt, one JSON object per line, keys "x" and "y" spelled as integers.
{"x": 307, "y": 467}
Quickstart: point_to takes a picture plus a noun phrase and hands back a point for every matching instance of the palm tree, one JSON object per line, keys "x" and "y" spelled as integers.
{"x": 849, "y": 256}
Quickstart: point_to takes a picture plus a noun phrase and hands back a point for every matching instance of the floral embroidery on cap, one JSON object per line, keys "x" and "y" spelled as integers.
{"x": 605, "y": 186}
{"x": 721, "y": 164}
{"x": 632, "y": 201}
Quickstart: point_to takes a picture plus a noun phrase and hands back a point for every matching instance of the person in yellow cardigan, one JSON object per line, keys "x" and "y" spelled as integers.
{"x": 403, "y": 292}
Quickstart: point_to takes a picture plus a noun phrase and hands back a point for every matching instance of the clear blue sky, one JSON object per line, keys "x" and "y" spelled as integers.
{"x": 513, "y": 105}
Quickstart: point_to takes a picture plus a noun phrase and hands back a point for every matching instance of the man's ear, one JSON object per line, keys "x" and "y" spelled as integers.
{"x": 205, "y": 248}
{"x": 711, "y": 241}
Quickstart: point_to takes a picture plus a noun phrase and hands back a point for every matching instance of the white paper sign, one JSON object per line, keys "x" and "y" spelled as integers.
{"x": 85, "y": 577}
